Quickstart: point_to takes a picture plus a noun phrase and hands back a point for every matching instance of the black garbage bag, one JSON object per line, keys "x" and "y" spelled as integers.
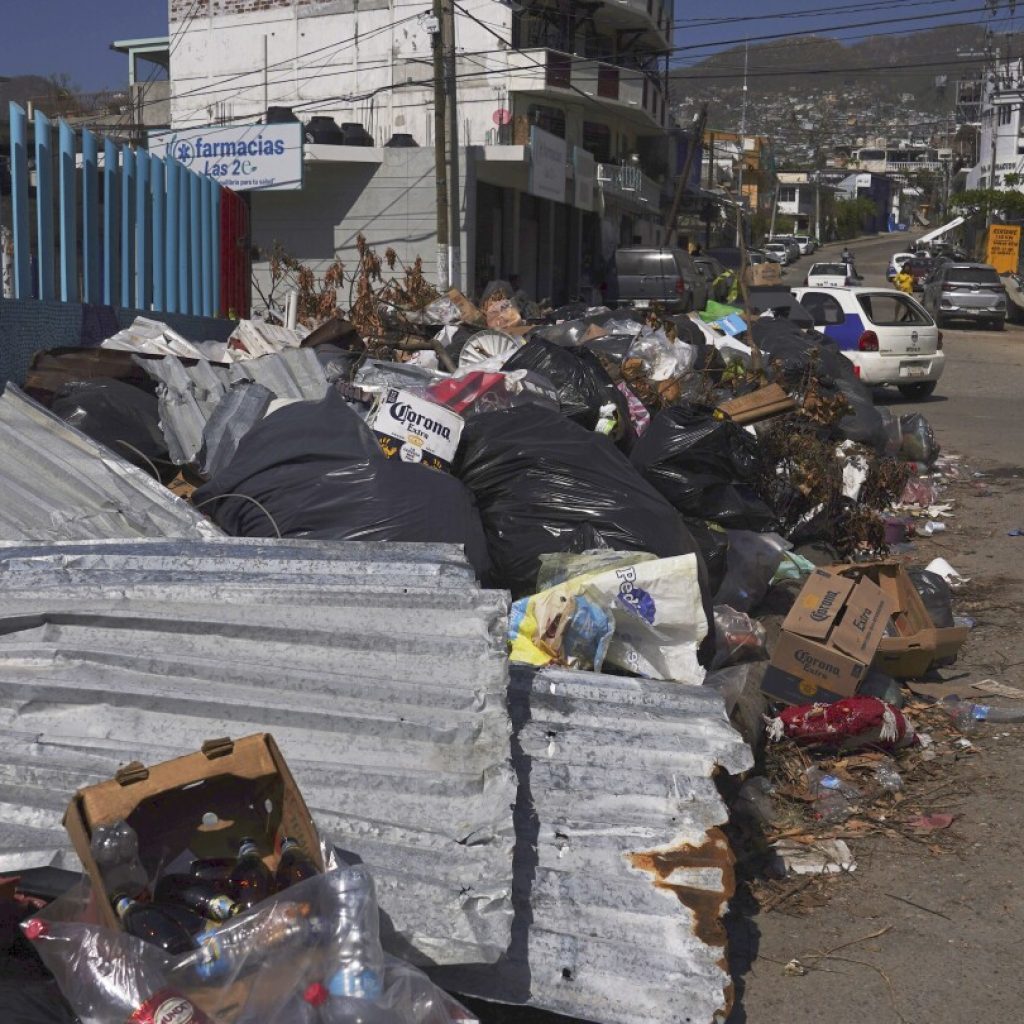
{"x": 544, "y": 484}
{"x": 936, "y": 595}
{"x": 566, "y": 333}
{"x": 796, "y": 350}
{"x": 714, "y": 548}
{"x": 582, "y": 383}
{"x": 703, "y": 466}
{"x": 918, "y": 441}
{"x": 319, "y": 472}
{"x": 124, "y": 418}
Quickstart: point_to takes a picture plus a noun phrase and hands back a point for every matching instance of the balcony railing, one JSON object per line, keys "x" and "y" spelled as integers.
{"x": 535, "y": 70}
{"x": 624, "y": 181}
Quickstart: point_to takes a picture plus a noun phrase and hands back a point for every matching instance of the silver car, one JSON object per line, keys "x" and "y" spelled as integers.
{"x": 965, "y": 291}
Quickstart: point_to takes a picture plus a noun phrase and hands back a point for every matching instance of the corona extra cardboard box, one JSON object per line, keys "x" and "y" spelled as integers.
{"x": 828, "y": 639}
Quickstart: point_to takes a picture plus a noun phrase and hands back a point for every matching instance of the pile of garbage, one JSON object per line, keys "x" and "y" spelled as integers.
{"x": 713, "y": 501}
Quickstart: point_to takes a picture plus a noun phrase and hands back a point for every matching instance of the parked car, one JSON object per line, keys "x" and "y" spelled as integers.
{"x": 805, "y": 243}
{"x": 718, "y": 276}
{"x": 644, "y": 277}
{"x": 829, "y": 275}
{"x": 889, "y": 337}
{"x": 778, "y": 252}
{"x": 896, "y": 260}
{"x": 966, "y": 291}
{"x": 791, "y": 244}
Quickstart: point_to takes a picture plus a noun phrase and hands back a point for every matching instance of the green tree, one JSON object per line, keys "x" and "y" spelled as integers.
{"x": 985, "y": 201}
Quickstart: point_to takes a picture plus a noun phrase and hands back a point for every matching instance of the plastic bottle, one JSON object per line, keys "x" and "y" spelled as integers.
{"x": 152, "y": 924}
{"x": 115, "y": 849}
{"x": 967, "y": 715}
{"x": 888, "y": 778}
{"x": 294, "y": 866}
{"x": 358, "y": 975}
{"x": 252, "y": 941}
{"x": 198, "y": 895}
{"x": 834, "y": 799}
{"x": 250, "y": 880}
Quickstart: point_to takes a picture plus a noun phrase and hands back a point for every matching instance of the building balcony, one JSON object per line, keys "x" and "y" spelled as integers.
{"x": 563, "y": 75}
{"x": 628, "y": 185}
{"x": 656, "y": 15}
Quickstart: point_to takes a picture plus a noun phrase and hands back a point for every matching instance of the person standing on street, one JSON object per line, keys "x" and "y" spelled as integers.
{"x": 904, "y": 281}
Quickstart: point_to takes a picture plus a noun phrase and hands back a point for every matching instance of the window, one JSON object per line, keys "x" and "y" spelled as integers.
{"x": 1005, "y": 113}
{"x": 972, "y": 275}
{"x": 824, "y": 309}
{"x": 787, "y": 194}
{"x": 597, "y": 140}
{"x": 551, "y": 119}
{"x": 888, "y": 309}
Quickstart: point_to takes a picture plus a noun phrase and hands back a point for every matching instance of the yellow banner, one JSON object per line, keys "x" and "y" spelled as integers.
{"x": 1002, "y": 249}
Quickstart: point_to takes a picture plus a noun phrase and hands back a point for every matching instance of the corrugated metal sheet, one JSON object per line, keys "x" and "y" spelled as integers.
{"x": 380, "y": 670}
{"x": 189, "y": 393}
{"x": 621, "y": 873}
{"x": 58, "y": 484}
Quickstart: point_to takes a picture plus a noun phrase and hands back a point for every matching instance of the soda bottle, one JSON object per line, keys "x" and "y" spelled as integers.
{"x": 254, "y": 940}
{"x": 356, "y": 952}
{"x": 294, "y": 866}
{"x": 199, "y": 896}
{"x": 152, "y": 924}
{"x": 250, "y": 880}
{"x": 115, "y": 849}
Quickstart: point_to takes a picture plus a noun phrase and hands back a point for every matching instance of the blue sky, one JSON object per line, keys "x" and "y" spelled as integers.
{"x": 46, "y": 37}
{"x": 73, "y": 36}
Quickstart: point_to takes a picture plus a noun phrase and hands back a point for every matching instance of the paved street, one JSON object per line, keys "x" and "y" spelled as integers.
{"x": 957, "y": 960}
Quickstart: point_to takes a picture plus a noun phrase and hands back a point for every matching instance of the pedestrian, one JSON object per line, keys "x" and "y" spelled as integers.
{"x": 904, "y": 280}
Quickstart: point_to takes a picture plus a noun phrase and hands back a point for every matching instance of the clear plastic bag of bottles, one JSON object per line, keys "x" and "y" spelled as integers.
{"x": 310, "y": 954}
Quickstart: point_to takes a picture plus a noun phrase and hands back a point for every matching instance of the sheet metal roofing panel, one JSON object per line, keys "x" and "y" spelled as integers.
{"x": 621, "y": 871}
{"x": 386, "y": 694}
{"x": 58, "y": 484}
{"x": 190, "y": 392}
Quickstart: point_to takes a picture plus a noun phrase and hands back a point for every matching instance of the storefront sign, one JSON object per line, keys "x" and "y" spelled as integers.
{"x": 584, "y": 170}
{"x": 547, "y": 165}
{"x": 256, "y": 157}
{"x": 1003, "y": 248}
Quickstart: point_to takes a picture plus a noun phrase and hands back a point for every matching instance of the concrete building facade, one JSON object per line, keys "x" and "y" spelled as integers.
{"x": 583, "y": 84}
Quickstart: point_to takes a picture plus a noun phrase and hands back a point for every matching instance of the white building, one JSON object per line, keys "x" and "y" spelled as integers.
{"x": 591, "y": 76}
{"x": 1001, "y": 124}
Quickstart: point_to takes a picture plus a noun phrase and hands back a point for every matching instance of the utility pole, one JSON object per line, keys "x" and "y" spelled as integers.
{"x": 684, "y": 177}
{"x": 452, "y": 131}
{"x": 743, "y": 139}
{"x": 440, "y": 155}
{"x": 995, "y": 129}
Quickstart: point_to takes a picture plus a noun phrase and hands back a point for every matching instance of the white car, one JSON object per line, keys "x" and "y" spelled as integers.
{"x": 805, "y": 243}
{"x": 829, "y": 275}
{"x": 896, "y": 261}
{"x": 889, "y": 337}
{"x": 777, "y": 252}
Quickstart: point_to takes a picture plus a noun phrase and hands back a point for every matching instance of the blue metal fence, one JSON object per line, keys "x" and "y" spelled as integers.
{"x": 148, "y": 238}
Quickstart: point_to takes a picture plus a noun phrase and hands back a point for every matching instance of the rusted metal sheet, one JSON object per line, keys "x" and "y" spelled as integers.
{"x": 622, "y": 873}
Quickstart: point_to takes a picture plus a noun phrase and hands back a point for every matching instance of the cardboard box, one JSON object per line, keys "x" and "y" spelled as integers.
{"x": 912, "y": 642}
{"x": 197, "y": 806}
{"x": 413, "y": 429}
{"x": 764, "y": 273}
{"x": 471, "y": 314}
{"x": 828, "y": 639}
